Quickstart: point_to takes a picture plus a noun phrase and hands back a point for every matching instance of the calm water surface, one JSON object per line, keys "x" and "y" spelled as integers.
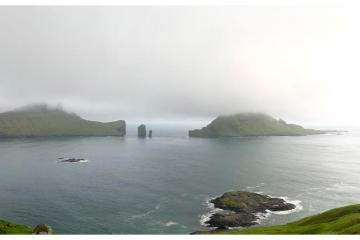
{"x": 161, "y": 185}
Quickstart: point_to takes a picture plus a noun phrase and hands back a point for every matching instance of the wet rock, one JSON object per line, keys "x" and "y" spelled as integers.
{"x": 251, "y": 202}
{"x": 72, "y": 159}
{"x": 241, "y": 208}
{"x": 226, "y": 219}
{"x": 142, "y": 131}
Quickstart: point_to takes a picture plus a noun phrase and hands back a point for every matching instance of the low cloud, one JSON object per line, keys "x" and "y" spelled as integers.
{"x": 182, "y": 63}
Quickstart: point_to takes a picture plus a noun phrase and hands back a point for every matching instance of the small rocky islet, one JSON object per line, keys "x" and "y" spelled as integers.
{"x": 242, "y": 209}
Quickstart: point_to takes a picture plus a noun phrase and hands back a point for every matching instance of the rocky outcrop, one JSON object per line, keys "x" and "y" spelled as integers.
{"x": 241, "y": 208}
{"x": 142, "y": 131}
{"x": 43, "y": 229}
{"x": 72, "y": 160}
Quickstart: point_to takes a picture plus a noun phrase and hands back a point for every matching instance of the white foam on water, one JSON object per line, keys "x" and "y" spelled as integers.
{"x": 256, "y": 186}
{"x": 145, "y": 214}
{"x": 170, "y": 223}
{"x": 262, "y": 216}
{"x": 297, "y": 203}
{"x": 206, "y": 217}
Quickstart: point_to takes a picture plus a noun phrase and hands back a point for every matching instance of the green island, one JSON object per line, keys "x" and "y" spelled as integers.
{"x": 44, "y": 121}
{"x": 343, "y": 220}
{"x": 250, "y": 124}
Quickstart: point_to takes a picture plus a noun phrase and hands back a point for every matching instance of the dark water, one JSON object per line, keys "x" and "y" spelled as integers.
{"x": 161, "y": 185}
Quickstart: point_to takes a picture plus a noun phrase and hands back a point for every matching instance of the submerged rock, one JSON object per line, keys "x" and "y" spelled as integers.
{"x": 43, "y": 229}
{"x": 241, "y": 208}
{"x": 142, "y": 131}
{"x": 72, "y": 159}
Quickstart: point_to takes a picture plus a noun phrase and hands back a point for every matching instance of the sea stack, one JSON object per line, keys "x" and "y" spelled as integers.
{"x": 150, "y": 133}
{"x": 142, "y": 131}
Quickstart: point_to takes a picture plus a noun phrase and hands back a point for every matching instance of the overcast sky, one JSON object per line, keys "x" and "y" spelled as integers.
{"x": 300, "y": 63}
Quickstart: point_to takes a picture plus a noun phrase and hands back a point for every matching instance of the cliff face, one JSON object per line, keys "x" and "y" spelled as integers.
{"x": 42, "y": 121}
{"x": 250, "y": 124}
{"x": 142, "y": 131}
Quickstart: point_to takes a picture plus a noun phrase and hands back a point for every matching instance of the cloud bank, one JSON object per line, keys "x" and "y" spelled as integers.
{"x": 181, "y": 63}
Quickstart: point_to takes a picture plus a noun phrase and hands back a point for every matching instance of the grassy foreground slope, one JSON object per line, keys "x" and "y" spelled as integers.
{"x": 344, "y": 220}
{"x": 41, "y": 121}
{"x": 250, "y": 124}
{"x": 12, "y": 228}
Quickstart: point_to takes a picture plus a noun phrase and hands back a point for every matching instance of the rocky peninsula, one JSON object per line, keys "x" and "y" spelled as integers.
{"x": 40, "y": 120}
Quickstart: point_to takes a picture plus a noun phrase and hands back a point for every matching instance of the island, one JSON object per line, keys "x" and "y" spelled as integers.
{"x": 250, "y": 124}
{"x": 40, "y": 120}
{"x": 242, "y": 209}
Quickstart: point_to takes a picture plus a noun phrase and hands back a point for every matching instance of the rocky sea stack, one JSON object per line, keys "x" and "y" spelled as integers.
{"x": 142, "y": 131}
{"x": 241, "y": 209}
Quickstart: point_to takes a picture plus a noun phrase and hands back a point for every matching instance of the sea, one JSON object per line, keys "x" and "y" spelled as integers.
{"x": 163, "y": 184}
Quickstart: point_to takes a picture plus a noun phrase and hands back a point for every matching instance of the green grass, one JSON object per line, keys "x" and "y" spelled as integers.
{"x": 41, "y": 121}
{"x": 250, "y": 124}
{"x": 232, "y": 203}
{"x": 344, "y": 220}
{"x": 12, "y": 228}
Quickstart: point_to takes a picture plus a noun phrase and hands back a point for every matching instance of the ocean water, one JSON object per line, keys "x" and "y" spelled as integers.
{"x": 162, "y": 185}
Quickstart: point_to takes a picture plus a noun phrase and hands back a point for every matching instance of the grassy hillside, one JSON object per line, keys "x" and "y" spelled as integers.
{"x": 344, "y": 220}
{"x": 12, "y": 228}
{"x": 41, "y": 120}
{"x": 250, "y": 124}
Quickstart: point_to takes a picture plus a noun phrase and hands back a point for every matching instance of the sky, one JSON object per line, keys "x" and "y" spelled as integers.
{"x": 184, "y": 63}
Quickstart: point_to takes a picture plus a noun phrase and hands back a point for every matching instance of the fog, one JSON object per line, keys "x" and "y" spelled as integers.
{"x": 183, "y": 64}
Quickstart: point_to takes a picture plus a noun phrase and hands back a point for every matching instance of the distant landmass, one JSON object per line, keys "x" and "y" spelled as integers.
{"x": 250, "y": 124}
{"x": 42, "y": 121}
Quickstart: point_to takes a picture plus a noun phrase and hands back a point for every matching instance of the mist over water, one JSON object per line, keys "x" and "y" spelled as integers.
{"x": 161, "y": 185}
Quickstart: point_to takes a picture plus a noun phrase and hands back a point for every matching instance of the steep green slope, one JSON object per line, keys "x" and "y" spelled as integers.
{"x": 12, "y": 228}
{"x": 40, "y": 120}
{"x": 344, "y": 220}
{"x": 250, "y": 124}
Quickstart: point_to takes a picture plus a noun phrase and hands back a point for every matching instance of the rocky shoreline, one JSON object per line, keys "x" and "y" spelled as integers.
{"x": 242, "y": 209}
